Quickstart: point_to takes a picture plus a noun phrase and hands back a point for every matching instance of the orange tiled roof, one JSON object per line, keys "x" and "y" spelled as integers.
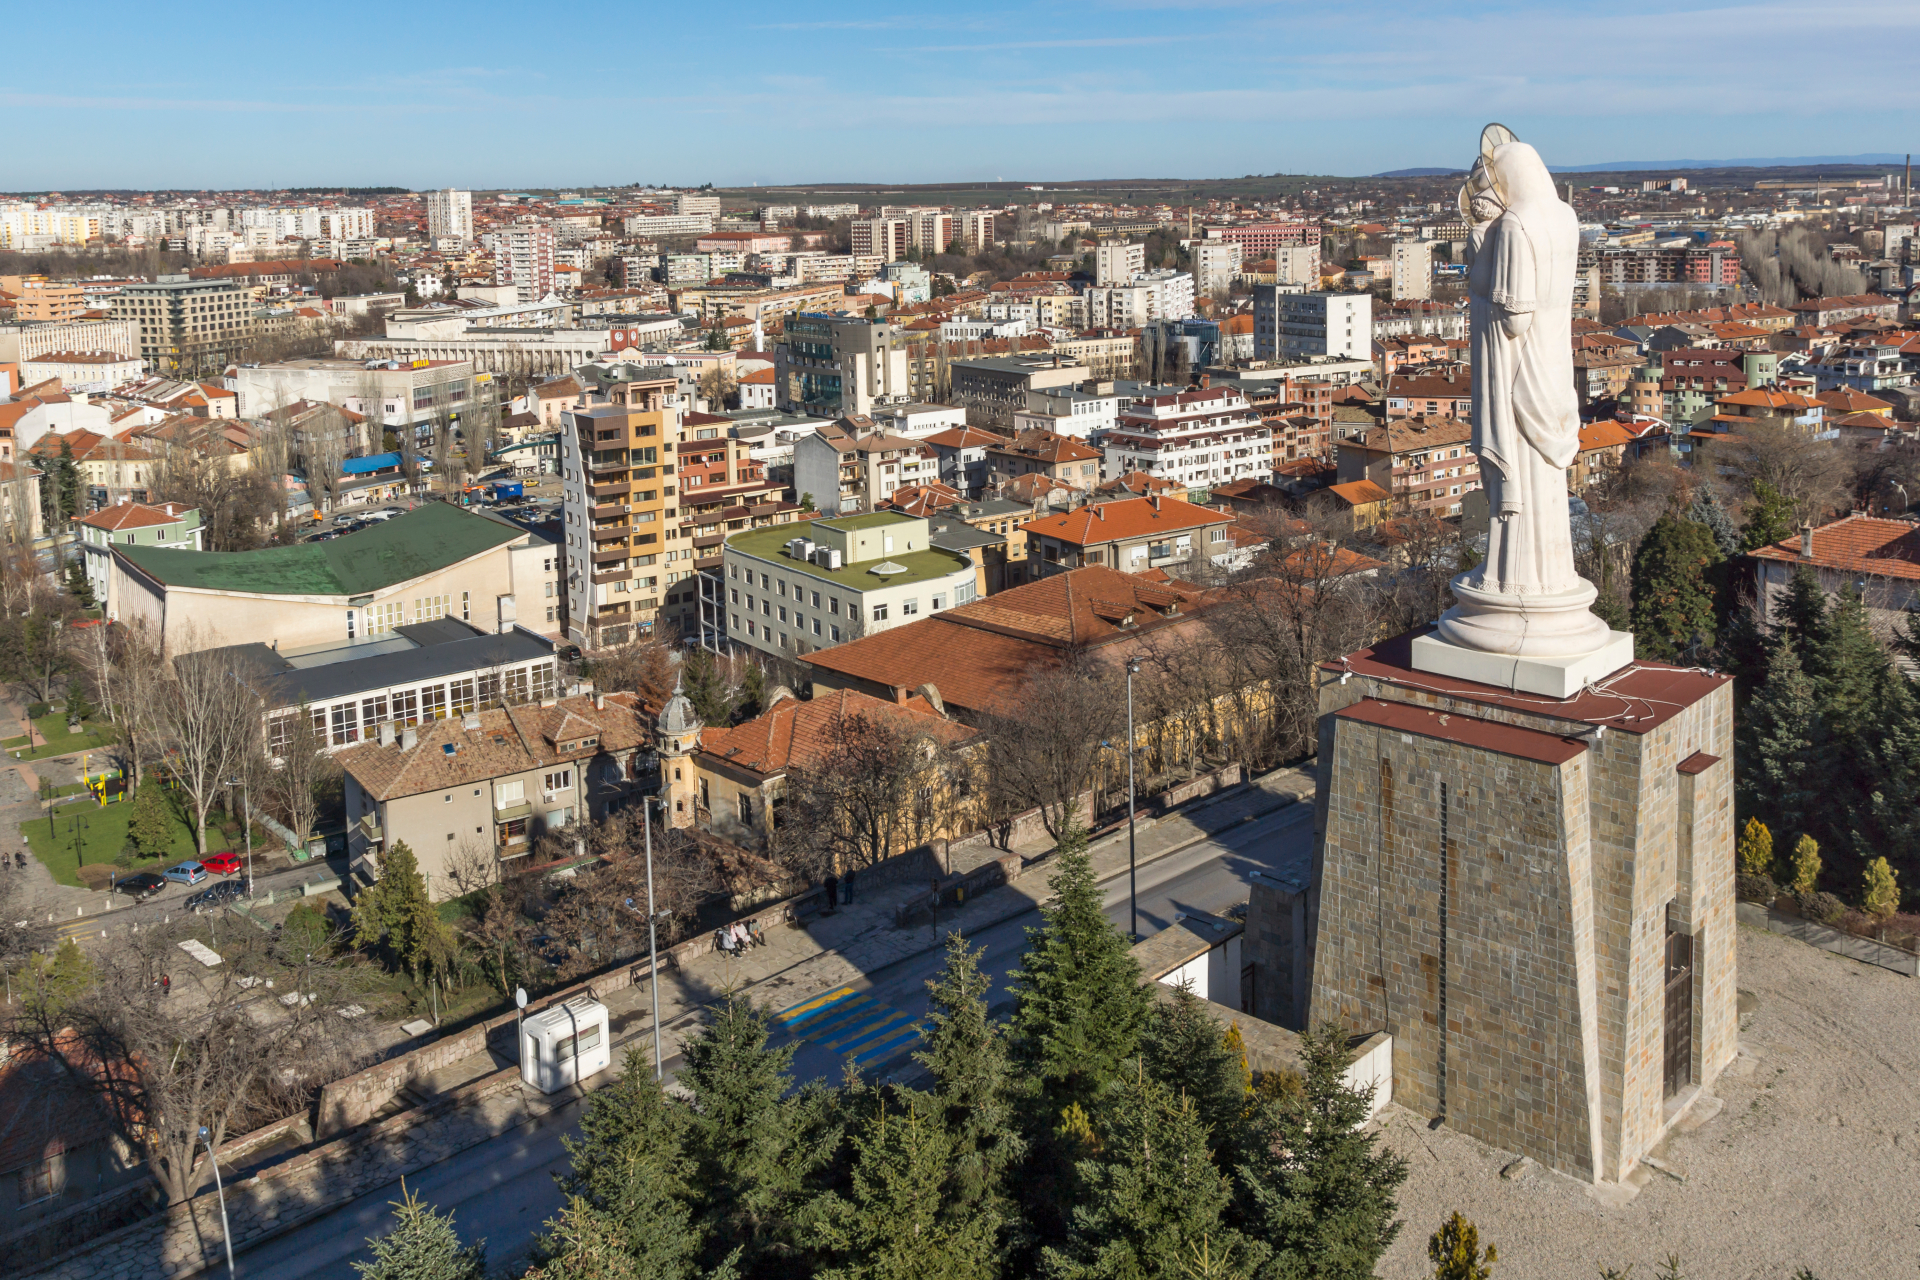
{"x": 1603, "y": 434}
{"x": 1359, "y": 493}
{"x": 796, "y": 734}
{"x": 135, "y": 515}
{"x": 1857, "y": 544}
{"x": 1123, "y": 518}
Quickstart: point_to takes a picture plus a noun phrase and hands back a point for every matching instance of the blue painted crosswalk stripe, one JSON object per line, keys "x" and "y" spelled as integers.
{"x": 852, "y": 1023}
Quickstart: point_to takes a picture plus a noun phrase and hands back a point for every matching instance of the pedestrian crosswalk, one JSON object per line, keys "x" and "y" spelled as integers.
{"x": 79, "y": 927}
{"x": 852, "y": 1023}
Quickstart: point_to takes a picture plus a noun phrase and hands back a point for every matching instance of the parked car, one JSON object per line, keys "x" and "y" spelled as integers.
{"x": 186, "y": 873}
{"x": 223, "y": 864}
{"x": 216, "y": 896}
{"x": 139, "y": 886}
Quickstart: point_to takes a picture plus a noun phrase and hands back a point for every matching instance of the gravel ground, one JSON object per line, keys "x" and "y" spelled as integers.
{"x": 1811, "y": 1162}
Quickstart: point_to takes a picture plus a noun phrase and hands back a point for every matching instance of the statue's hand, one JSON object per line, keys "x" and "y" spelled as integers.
{"x": 1516, "y": 323}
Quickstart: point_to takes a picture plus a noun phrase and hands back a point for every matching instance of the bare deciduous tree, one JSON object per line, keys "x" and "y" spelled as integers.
{"x": 292, "y": 783}
{"x": 208, "y": 720}
{"x": 230, "y": 1057}
{"x": 1047, "y": 742}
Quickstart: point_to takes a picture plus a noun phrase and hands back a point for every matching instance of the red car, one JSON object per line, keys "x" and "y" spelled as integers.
{"x": 225, "y": 864}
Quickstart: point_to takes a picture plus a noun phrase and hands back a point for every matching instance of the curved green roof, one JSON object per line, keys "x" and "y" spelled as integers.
{"x": 422, "y": 541}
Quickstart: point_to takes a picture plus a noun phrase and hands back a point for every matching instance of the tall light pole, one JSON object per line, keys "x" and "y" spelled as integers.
{"x": 226, "y": 1232}
{"x": 653, "y": 948}
{"x": 1133, "y": 883}
{"x": 246, "y": 826}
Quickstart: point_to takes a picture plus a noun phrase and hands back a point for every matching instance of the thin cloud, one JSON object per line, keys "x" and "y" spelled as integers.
{"x": 1090, "y": 42}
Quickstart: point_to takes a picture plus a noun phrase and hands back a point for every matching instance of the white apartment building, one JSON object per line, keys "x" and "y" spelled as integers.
{"x": 977, "y": 228}
{"x": 1297, "y": 326}
{"x": 1175, "y": 289}
{"x": 694, "y": 202}
{"x": 669, "y": 224}
{"x": 1153, "y": 295}
{"x": 1117, "y": 262}
{"x": 1412, "y": 270}
{"x": 1083, "y": 415}
{"x": 450, "y": 214}
{"x": 1297, "y": 264}
{"x": 789, "y": 593}
{"x": 523, "y": 258}
{"x": 1197, "y": 439}
{"x": 931, "y": 230}
{"x": 1215, "y": 264}
{"x": 885, "y": 238}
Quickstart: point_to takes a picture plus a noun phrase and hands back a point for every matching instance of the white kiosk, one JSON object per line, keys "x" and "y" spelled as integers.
{"x": 565, "y": 1044}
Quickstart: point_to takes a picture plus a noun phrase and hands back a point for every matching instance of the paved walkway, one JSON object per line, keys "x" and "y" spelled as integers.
{"x": 826, "y": 952}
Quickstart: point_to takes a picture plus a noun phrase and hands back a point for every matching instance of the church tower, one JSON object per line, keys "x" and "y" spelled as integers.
{"x": 676, "y": 738}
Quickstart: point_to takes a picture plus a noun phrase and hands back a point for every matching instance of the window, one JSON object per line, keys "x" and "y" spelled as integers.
{"x": 746, "y": 808}
{"x": 816, "y": 599}
{"x": 836, "y": 634}
{"x": 783, "y": 613}
{"x": 909, "y": 607}
{"x": 279, "y": 735}
{"x": 542, "y": 680}
{"x": 427, "y": 608}
{"x": 816, "y": 626}
{"x": 406, "y": 707}
{"x": 373, "y": 711}
{"x": 879, "y": 613}
{"x": 833, "y": 604}
{"x": 345, "y": 727}
{"x": 463, "y": 696}
{"x": 382, "y": 618}
{"x": 555, "y": 783}
{"x": 433, "y": 702}
{"x": 569, "y": 1047}
{"x": 466, "y": 605}
{"x": 37, "y": 1182}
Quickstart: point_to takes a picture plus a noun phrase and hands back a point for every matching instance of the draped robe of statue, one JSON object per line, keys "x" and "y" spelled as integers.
{"x": 1525, "y": 598}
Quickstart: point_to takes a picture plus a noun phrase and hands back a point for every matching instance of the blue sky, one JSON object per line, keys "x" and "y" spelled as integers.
{"x": 488, "y": 93}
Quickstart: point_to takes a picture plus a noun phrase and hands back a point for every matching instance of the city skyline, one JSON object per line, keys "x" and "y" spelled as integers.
{"x": 435, "y": 96}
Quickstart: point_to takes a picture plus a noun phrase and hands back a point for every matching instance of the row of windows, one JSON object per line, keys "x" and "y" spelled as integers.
{"x": 342, "y": 723}
{"x": 378, "y": 619}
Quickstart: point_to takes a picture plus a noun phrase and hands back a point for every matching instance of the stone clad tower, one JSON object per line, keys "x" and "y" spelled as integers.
{"x": 1523, "y": 867}
{"x": 676, "y": 737}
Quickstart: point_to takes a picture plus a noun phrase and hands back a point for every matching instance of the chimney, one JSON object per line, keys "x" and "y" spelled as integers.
{"x": 599, "y": 702}
{"x": 1099, "y": 512}
{"x": 386, "y": 733}
{"x": 1806, "y": 541}
{"x": 1155, "y": 500}
{"x": 409, "y": 739}
{"x": 1206, "y": 381}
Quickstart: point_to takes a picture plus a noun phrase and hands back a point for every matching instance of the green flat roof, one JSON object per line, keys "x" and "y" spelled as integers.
{"x": 423, "y": 540}
{"x": 921, "y": 566}
{"x": 868, "y": 520}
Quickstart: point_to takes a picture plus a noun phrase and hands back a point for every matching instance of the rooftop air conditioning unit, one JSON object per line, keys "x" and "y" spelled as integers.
{"x": 806, "y": 548}
{"x": 833, "y": 557}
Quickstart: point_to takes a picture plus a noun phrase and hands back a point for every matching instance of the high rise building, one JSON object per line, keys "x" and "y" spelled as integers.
{"x": 1118, "y": 261}
{"x": 885, "y": 238}
{"x": 1215, "y": 263}
{"x": 1412, "y": 269}
{"x": 1297, "y": 326}
{"x": 450, "y": 214}
{"x": 188, "y": 327}
{"x": 930, "y": 230}
{"x": 616, "y": 470}
{"x": 690, "y": 202}
{"x": 523, "y": 258}
{"x": 976, "y": 228}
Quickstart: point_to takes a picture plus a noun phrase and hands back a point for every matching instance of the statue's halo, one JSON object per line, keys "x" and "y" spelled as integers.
{"x": 1494, "y": 135}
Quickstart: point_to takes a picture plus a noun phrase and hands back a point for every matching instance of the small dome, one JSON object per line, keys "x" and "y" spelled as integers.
{"x": 678, "y": 716}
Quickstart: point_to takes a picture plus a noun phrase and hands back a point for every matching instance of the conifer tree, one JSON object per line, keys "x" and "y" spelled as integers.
{"x": 750, "y": 1142}
{"x": 629, "y": 1177}
{"x": 1314, "y": 1186}
{"x": 148, "y": 826}
{"x": 1707, "y": 511}
{"x": 1882, "y": 896}
{"x": 896, "y": 1222}
{"x": 1455, "y": 1253}
{"x": 1183, "y": 1048}
{"x": 1777, "y": 744}
{"x": 967, "y": 1054}
{"x": 1081, "y": 1005}
{"x": 1754, "y": 850}
{"x": 1806, "y": 865}
{"x": 422, "y": 1246}
{"x": 1769, "y": 520}
{"x": 1153, "y": 1194}
{"x": 396, "y": 913}
{"x": 1845, "y": 663}
{"x": 1673, "y": 589}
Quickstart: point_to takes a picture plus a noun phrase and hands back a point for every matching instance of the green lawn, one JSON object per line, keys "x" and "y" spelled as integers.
{"x": 53, "y": 728}
{"x": 102, "y": 836}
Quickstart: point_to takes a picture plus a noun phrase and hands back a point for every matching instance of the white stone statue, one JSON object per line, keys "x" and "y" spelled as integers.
{"x": 1525, "y": 600}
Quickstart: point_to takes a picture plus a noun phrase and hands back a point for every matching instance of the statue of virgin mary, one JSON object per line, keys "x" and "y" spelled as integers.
{"x": 1525, "y": 599}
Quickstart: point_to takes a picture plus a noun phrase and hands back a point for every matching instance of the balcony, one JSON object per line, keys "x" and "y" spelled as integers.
{"x": 608, "y": 533}
{"x": 613, "y": 555}
{"x": 608, "y": 510}
{"x": 598, "y": 465}
{"x": 612, "y": 575}
{"x": 617, "y": 489}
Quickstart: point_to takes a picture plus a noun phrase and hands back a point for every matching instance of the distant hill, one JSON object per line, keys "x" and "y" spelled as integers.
{"x": 1770, "y": 162}
{"x": 1426, "y": 172}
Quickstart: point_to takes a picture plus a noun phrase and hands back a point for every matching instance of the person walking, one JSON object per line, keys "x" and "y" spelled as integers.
{"x": 166, "y": 984}
{"x": 846, "y": 888}
{"x": 833, "y": 892}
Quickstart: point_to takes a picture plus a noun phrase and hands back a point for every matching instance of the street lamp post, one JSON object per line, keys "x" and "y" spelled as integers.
{"x": 226, "y": 1233}
{"x": 246, "y": 826}
{"x": 653, "y": 948}
{"x": 1133, "y": 884}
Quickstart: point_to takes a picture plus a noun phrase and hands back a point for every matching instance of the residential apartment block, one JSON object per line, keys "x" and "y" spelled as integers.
{"x": 1132, "y": 535}
{"x": 792, "y": 591}
{"x": 188, "y": 326}
{"x": 1425, "y": 463}
{"x": 1195, "y": 439}
{"x": 450, "y": 215}
{"x": 127, "y": 524}
{"x": 1117, "y": 262}
{"x": 851, "y": 465}
{"x": 830, "y": 366}
{"x": 523, "y": 258}
{"x": 1297, "y": 326}
{"x": 617, "y": 484}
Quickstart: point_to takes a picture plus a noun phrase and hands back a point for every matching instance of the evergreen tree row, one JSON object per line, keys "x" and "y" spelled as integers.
{"x": 1100, "y": 1133}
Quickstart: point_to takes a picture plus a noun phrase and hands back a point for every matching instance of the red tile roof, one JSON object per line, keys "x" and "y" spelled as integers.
{"x": 1857, "y": 544}
{"x": 135, "y": 515}
{"x": 801, "y": 734}
{"x": 1359, "y": 492}
{"x": 1123, "y": 518}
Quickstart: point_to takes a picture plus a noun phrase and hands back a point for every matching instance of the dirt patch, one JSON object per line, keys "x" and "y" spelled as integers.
{"x": 1810, "y": 1162}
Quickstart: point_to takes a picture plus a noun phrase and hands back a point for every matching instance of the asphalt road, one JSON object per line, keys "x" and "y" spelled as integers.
{"x": 504, "y": 1189}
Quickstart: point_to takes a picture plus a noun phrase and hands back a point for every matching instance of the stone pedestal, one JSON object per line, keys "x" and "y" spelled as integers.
{"x": 1559, "y": 677}
{"x": 1528, "y": 892}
